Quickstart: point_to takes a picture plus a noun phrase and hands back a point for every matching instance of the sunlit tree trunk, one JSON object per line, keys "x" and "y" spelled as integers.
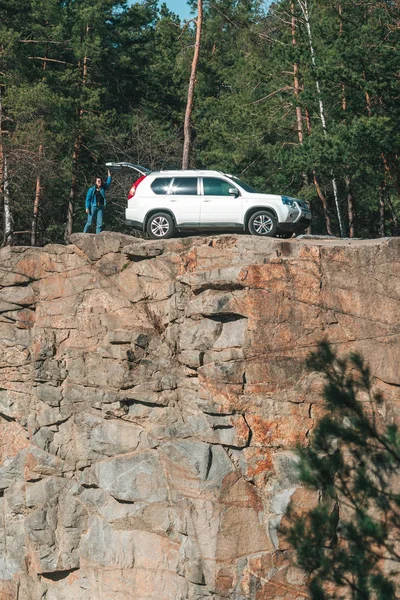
{"x": 73, "y": 188}
{"x": 367, "y": 97}
{"x": 8, "y": 217}
{"x": 382, "y": 192}
{"x": 351, "y": 210}
{"x": 386, "y": 197}
{"x": 38, "y": 188}
{"x": 296, "y": 88}
{"x": 37, "y": 202}
{"x": 306, "y": 14}
{"x": 350, "y": 206}
{"x": 393, "y": 217}
{"x": 192, "y": 83}
{"x": 318, "y": 188}
{"x": 75, "y": 155}
{"x": 4, "y": 184}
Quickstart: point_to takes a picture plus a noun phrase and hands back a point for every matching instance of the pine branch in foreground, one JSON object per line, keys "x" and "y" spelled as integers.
{"x": 349, "y": 543}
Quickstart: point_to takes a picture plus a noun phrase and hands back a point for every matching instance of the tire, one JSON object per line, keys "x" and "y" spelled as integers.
{"x": 160, "y": 226}
{"x": 263, "y": 223}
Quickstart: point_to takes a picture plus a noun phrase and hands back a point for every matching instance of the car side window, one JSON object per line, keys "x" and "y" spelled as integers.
{"x": 217, "y": 187}
{"x": 184, "y": 186}
{"x": 161, "y": 185}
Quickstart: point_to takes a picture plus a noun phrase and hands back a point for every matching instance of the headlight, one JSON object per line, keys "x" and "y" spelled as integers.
{"x": 288, "y": 201}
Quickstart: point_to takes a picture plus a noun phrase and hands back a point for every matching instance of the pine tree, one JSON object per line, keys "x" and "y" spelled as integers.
{"x": 29, "y": 106}
{"x": 191, "y": 87}
{"x": 84, "y": 82}
{"x": 348, "y": 543}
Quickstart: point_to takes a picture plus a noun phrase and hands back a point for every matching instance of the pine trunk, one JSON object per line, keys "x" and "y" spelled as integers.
{"x": 4, "y": 187}
{"x": 192, "y": 83}
{"x": 350, "y": 206}
{"x": 38, "y": 187}
{"x": 367, "y": 97}
{"x": 73, "y": 189}
{"x": 306, "y": 14}
{"x": 393, "y": 218}
{"x": 75, "y": 156}
{"x": 321, "y": 195}
{"x": 386, "y": 198}
{"x": 351, "y": 213}
{"x": 324, "y": 203}
{"x": 382, "y": 192}
{"x": 36, "y": 204}
{"x": 8, "y": 218}
{"x": 296, "y": 87}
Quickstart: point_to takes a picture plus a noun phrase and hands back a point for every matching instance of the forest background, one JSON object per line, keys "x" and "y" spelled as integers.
{"x": 297, "y": 97}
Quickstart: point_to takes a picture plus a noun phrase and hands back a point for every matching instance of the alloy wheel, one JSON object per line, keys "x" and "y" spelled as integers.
{"x": 262, "y": 224}
{"x": 159, "y": 226}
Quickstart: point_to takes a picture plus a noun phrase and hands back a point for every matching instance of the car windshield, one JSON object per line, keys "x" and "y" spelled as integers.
{"x": 242, "y": 184}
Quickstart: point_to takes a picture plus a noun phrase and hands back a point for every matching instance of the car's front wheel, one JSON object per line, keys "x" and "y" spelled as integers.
{"x": 160, "y": 226}
{"x": 263, "y": 223}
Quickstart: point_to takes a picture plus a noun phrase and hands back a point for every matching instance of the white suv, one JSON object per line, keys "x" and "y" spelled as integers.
{"x": 163, "y": 202}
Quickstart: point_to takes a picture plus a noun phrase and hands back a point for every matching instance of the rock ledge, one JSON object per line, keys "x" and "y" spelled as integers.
{"x": 151, "y": 396}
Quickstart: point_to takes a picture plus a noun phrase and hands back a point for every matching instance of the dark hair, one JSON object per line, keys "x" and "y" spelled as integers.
{"x": 97, "y": 177}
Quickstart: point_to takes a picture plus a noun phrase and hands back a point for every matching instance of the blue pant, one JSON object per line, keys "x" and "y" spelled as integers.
{"x": 95, "y": 215}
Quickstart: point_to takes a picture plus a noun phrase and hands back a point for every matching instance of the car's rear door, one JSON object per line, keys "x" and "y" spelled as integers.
{"x": 127, "y": 167}
{"x": 221, "y": 203}
{"x": 184, "y": 201}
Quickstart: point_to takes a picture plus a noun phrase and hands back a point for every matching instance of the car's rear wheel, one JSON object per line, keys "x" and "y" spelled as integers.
{"x": 263, "y": 223}
{"x": 160, "y": 226}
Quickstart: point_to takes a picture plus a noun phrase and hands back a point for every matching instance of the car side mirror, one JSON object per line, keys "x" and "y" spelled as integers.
{"x": 234, "y": 192}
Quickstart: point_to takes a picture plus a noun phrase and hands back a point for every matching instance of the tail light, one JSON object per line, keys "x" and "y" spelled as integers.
{"x": 133, "y": 189}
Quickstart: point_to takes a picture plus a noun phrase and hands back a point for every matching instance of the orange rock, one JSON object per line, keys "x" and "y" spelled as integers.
{"x": 152, "y": 396}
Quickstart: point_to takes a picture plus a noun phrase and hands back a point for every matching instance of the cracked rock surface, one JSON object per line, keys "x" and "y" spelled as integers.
{"x": 151, "y": 396}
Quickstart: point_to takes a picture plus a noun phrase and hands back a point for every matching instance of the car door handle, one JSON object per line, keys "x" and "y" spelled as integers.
{"x": 206, "y": 200}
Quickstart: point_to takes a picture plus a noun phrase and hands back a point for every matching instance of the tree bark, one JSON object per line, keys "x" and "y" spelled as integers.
{"x": 73, "y": 188}
{"x": 299, "y": 116}
{"x": 350, "y": 206}
{"x": 4, "y": 185}
{"x": 367, "y": 97}
{"x": 8, "y": 217}
{"x": 351, "y": 212}
{"x": 75, "y": 155}
{"x": 192, "y": 83}
{"x": 305, "y": 10}
{"x": 324, "y": 203}
{"x": 38, "y": 190}
{"x": 36, "y": 203}
{"x": 296, "y": 88}
{"x": 321, "y": 195}
{"x": 382, "y": 192}
{"x": 386, "y": 198}
{"x": 393, "y": 217}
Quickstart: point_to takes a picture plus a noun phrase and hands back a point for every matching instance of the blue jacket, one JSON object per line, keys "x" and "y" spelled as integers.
{"x": 91, "y": 195}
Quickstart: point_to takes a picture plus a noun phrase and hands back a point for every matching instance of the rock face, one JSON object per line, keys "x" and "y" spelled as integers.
{"x": 151, "y": 395}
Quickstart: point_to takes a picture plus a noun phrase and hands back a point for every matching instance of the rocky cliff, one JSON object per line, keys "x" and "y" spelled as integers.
{"x": 151, "y": 394}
